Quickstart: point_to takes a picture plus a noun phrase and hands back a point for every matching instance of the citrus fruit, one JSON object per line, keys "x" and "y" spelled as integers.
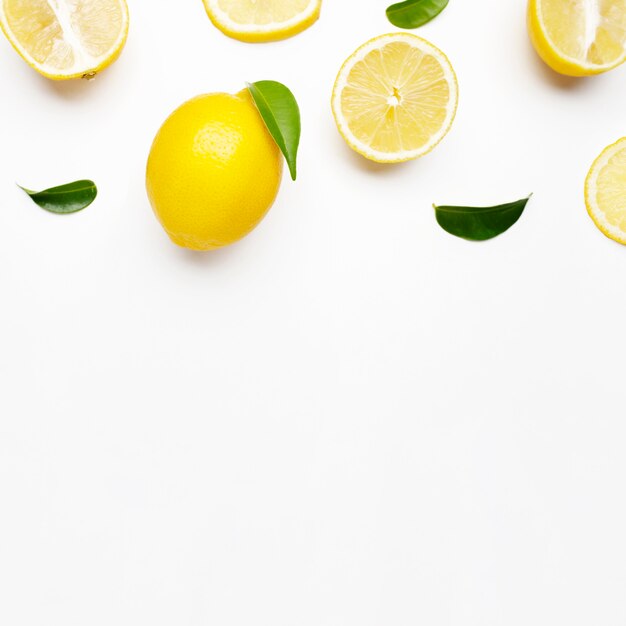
{"x": 262, "y": 20}
{"x": 579, "y": 37}
{"x": 64, "y": 39}
{"x": 395, "y": 98}
{"x": 605, "y": 191}
{"x": 213, "y": 171}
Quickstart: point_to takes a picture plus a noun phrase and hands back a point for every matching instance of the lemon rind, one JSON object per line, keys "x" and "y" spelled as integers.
{"x": 595, "y": 212}
{"x": 255, "y": 33}
{"x": 553, "y": 56}
{"x": 341, "y": 81}
{"x": 96, "y": 65}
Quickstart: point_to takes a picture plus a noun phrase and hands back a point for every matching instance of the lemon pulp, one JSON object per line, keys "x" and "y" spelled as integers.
{"x": 262, "y": 20}
{"x": 395, "y": 98}
{"x": 66, "y": 38}
{"x": 579, "y": 37}
{"x": 605, "y": 191}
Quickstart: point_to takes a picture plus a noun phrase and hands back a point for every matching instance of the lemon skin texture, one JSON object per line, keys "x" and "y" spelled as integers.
{"x": 213, "y": 171}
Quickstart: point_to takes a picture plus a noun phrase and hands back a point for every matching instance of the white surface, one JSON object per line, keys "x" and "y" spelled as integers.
{"x": 349, "y": 419}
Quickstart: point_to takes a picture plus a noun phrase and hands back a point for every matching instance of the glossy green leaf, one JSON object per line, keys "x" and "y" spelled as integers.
{"x": 415, "y": 13}
{"x": 281, "y": 114}
{"x": 479, "y": 223}
{"x": 69, "y": 198}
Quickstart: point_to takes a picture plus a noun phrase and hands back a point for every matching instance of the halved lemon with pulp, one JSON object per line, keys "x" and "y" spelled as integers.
{"x": 395, "y": 98}
{"x": 262, "y": 20}
{"x": 605, "y": 191}
{"x": 64, "y": 39}
{"x": 579, "y": 37}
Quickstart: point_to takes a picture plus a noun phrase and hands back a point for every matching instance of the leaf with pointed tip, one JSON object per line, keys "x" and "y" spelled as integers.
{"x": 69, "y": 198}
{"x": 415, "y": 13}
{"x": 281, "y": 114}
{"x": 479, "y": 223}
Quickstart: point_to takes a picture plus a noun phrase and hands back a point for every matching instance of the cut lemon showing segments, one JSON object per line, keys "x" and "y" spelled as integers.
{"x": 579, "y": 37}
{"x": 65, "y": 39}
{"x": 395, "y": 98}
{"x": 605, "y": 191}
{"x": 262, "y": 20}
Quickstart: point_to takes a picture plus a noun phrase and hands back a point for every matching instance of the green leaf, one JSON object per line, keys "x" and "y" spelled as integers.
{"x": 415, "y": 13}
{"x": 68, "y": 198}
{"x": 479, "y": 223}
{"x": 281, "y": 115}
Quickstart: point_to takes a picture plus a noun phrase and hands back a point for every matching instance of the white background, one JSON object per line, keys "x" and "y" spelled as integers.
{"x": 350, "y": 418}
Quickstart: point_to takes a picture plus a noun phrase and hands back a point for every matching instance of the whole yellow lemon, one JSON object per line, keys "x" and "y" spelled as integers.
{"x": 213, "y": 171}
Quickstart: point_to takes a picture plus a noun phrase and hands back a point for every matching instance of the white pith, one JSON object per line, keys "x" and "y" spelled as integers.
{"x": 84, "y": 62}
{"x": 229, "y": 24}
{"x": 592, "y": 21}
{"x": 342, "y": 81}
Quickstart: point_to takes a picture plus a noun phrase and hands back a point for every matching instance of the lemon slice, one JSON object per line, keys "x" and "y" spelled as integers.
{"x": 66, "y": 38}
{"x": 262, "y": 20}
{"x": 605, "y": 191}
{"x": 395, "y": 98}
{"x": 579, "y": 37}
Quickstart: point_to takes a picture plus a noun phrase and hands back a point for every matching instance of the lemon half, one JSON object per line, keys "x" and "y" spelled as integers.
{"x": 64, "y": 39}
{"x": 262, "y": 20}
{"x": 579, "y": 37}
{"x": 605, "y": 191}
{"x": 395, "y": 98}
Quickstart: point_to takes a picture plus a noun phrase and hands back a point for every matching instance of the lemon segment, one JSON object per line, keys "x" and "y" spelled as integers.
{"x": 64, "y": 39}
{"x": 579, "y": 37}
{"x": 395, "y": 98}
{"x": 262, "y": 20}
{"x": 214, "y": 171}
{"x": 605, "y": 191}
